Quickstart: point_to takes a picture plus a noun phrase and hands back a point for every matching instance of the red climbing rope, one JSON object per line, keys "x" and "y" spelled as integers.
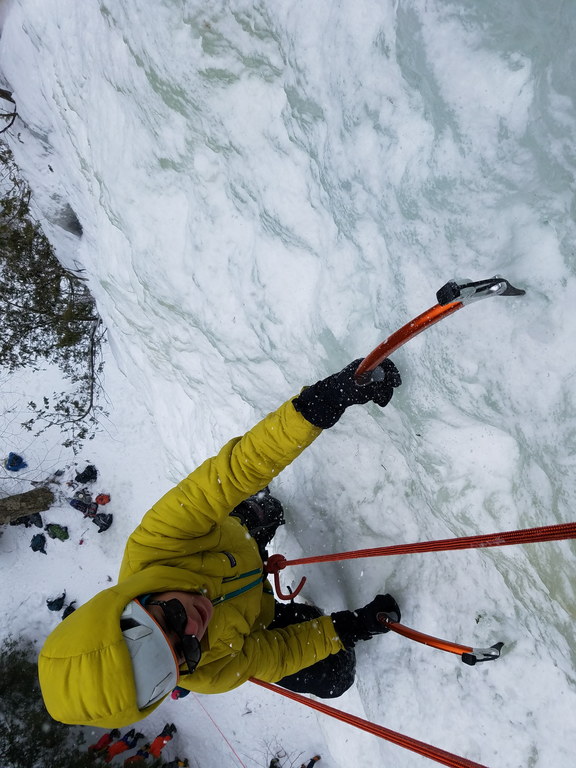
{"x": 427, "y": 750}
{"x": 526, "y": 536}
{"x": 277, "y": 563}
{"x": 215, "y": 724}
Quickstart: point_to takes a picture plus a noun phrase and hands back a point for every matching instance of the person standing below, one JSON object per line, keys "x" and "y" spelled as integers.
{"x": 312, "y": 762}
{"x": 104, "y": 741}
{"x": 139, "y": 758}
{"x": 162, "y": 739}
{"x": 193, "y": 606}
{"x": 128, "y": 741}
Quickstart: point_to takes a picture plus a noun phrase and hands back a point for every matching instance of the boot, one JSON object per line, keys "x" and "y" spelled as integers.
{"x": 103, "y": 520}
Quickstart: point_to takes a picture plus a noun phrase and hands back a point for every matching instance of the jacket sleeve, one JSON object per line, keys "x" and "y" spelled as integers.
{"x": 268, "y": 655}
{"x": 195, "y": 507}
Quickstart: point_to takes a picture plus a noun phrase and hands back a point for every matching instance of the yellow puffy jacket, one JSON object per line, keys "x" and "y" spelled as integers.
{"x": 188, "y": 542}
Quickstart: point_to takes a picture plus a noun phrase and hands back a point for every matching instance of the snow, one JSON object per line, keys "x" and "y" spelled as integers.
{"x": 267, "y": 191}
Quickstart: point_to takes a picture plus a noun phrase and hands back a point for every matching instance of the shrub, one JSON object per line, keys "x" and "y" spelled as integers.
{"x": 49, "y": 315}
{"x": 30, "y": 737}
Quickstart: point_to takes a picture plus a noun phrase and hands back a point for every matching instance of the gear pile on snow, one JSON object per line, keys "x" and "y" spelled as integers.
{"x": 56, "y": 531}
{"x": 89, "y": 475}
{"x": 38, "y": 543}
{"x": 14, "y": 462}
{"x": 83, "y": 502}
{"x": 29, "y": 520}
{"x": 56, "y": 603}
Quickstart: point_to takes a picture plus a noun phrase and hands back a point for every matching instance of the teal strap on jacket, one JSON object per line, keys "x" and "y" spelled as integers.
{"x": 242, "y": 575}
{"x": 245, "y": 588}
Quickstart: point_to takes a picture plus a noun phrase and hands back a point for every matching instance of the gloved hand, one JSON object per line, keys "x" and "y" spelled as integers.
{"x": 363, "y": 624}
{"x": 323, "y": 403}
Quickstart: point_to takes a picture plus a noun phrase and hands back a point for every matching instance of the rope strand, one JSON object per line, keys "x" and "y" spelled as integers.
{"x": 407, "y": 742}
{"x": 215, "y": 724}
{"x": 525, "y": 536}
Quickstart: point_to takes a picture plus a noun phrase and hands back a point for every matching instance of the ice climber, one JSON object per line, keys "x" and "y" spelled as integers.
{"x": 192, "y": 606}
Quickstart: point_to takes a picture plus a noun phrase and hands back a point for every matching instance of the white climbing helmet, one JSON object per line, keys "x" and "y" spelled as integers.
{"x": 154, "y": 662}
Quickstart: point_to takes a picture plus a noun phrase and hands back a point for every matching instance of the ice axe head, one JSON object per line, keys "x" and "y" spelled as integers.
{"x": 467, "y": 291}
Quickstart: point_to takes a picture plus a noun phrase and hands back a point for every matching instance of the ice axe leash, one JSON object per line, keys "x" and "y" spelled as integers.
{"x": 451, "y": 297}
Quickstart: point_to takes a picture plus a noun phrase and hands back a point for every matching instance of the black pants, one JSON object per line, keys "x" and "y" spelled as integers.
{"x": 326, "y": 679}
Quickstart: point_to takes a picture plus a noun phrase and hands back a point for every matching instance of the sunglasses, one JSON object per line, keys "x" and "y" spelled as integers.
{"x": 176, "y": 620}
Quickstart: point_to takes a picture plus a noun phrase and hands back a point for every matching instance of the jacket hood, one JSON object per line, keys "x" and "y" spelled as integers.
{"x": 85, "y": 668}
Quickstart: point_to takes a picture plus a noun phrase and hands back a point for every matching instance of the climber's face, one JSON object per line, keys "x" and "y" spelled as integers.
{"x": 184, "y": 617}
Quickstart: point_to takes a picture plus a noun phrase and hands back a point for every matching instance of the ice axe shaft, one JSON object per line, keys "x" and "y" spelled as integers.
{"x": 467, "y": 653}
{"x": 451, "y": 297}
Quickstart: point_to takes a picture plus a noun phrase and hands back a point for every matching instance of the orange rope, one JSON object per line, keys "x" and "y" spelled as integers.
{"x": 427, "y": 750}
{"x": 526, "y": 536}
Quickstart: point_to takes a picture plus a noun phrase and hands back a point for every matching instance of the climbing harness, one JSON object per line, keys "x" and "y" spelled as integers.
{"x": 427, "y": 750}
{"x": 451, "y": 297}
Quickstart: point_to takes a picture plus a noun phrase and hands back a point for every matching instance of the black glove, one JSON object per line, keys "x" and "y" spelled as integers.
{"x": 363, "y": 624}
{"x": 323, "y": 403}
